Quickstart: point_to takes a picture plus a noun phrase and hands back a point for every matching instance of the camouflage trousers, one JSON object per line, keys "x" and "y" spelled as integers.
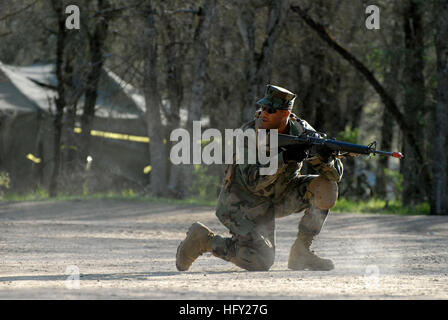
{"x": 253, "y": 248}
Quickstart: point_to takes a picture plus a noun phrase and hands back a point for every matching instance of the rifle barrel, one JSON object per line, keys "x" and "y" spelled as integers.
{"x": 347, "y": 147}
{"x": 398, "y": 155}
{"x": 335, "y": 145}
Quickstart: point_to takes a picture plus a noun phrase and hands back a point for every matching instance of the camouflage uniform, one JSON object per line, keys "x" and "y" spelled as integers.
{"x": 249, "y": 203}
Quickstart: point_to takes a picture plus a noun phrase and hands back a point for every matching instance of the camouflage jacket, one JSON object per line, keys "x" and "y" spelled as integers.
{"x": 246, "y": 195}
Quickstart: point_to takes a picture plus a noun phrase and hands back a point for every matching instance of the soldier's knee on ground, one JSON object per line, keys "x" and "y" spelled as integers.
{"x": 324, "y": 192}
{"x": 251, "y": 259}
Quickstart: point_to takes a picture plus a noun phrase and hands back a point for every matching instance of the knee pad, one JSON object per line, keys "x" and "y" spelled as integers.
{"x": 324, "y": 192}
{"x": 254, "y": 260}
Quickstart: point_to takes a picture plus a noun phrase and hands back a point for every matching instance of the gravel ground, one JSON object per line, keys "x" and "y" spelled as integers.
{"x": 126, "y": 250}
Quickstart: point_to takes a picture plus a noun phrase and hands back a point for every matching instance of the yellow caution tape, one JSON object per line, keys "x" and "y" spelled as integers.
{"x": 33, "y": 158}
{"x": 63, "y": 147}
{"x": 104, "y": 134}
{"x": 115, "y": 136}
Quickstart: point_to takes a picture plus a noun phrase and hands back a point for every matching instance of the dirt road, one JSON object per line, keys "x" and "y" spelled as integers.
{"x": 126, "y": 250}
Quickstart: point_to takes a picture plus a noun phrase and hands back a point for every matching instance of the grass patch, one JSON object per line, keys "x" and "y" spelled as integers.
{"x": 124, "y": 195}
{"x": 343, "y": 205}
{"x": 380, "y": 206}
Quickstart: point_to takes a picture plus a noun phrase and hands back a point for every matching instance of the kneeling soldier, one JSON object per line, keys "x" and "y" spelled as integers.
{"x": 249, "y": 202}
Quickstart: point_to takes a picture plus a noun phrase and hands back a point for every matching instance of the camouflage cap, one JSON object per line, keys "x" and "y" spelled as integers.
{"x": 278, "y": 98}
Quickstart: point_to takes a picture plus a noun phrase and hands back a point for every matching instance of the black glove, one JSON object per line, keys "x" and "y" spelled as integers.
{"x": 295, "y": 152}
{"x": 324, "y": 152}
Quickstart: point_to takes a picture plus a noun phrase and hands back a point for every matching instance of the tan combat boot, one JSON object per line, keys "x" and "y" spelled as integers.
{"x": 197, "y": 242}
{"x": 301, "y": 257}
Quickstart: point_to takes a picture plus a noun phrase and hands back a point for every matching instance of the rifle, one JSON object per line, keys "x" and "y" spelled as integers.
{"x": 340, "y": 149}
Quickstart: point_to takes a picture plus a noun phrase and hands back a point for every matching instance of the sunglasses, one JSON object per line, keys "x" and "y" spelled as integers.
{"x": 269, "y": 110}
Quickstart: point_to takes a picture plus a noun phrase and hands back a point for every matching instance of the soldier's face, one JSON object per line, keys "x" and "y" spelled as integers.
{"x": 275, "y": 120}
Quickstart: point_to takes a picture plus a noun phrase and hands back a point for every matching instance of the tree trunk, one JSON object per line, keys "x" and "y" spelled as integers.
{"x": 70, "y": 165}
{"x": 414, "y": 101}
{"x": 200, "y": 49}
{"x": 68, "y": 137}
{"x": 389, "y": 102}
{"x": 156, "y": 130}
{"x": 439, "y": 200}
{"x": 60, "y": 100}
{"x": 175, "y": 60}
{"x": 96, "y": 46}
{"x": 355, "y": 100}
{"x": 259, "y": 68}
{"x": 390, "y": 83}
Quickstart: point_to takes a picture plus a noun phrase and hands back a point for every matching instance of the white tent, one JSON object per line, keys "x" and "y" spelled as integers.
{"x": 26, "y": 107}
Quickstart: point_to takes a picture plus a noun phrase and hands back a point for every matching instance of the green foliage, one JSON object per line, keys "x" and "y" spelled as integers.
{"x": 206, "y": 185}
{"x": 374, "y": 205}
{"x": 128, "y": 193}
{"x": 4, "y": 182}
{"x": 124, "y": 195}
{"x": 85, "y": 188}
{"x": 348, "y": 135}
{"x": 343, "y": 205}
{"x": 41, "y": 192}
{"x": 397, "y": 179}
{"x": 376, "y": 58}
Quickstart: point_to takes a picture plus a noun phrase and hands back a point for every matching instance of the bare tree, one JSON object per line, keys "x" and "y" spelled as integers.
{"x": 391, "y": 78}
{"x": 174, "y": 51}
{"x": 258, "y": 63}
{"x": 60, "y": 100}
{"x": 414, "y": 101}
{"x": 96, "y": 41}
{"x": 156, "y": 130}
{"x": 386, "y": 98}
{"x": 439, "y": 161}
{"x": 18, "y": 11}
{"x": 199, "y": 68}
